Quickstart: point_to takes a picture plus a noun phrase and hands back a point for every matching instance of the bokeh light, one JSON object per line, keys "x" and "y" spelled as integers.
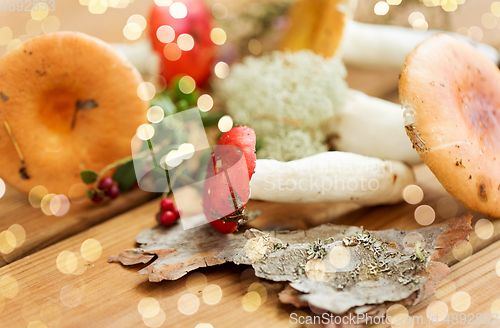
{"x": 98, "y": 7}
{"x": 495, "y": 308}
{"x": 132, "y": 31}
{"x": 39, "y": 12}
{"x": 186, "y": 150}
{"x": 148, "y": 307}
{"x": 139, "y": 20}
{"x": 484, "y": 228}
{"x": 495, "y": 8}
{"x": 146, "y": 91}
{"x": 221, "y": 70}
{"x": 437, "y": 311}
{"x": 155, "y": 114}
{"x": 19, "y": 234}
{"x": 45, "y": 204}
{"x": 462, "y": 251}
{"x": 460, "y": 301}
{"x": 195, "y": 282}
{"x": 315, "y": 269}
{"x": 255, "y": 47}
{"x": 413, "y": 194}
{"x": 178, "y": 10}
{"x": 251, "y": 301}
{"x": 71, "y": 296}
{"x": 212, "y": 294}
{"x": 156, "y": 321}
{"x": 185, "y": 42}
{"x": 475, "y": 33}
{"x": 218, "y": 36}
{"x": 33, "y": 27}
{"x": 205, "y": 103}
{"x": 381, "y": 8}
{"x": 397, "y": 313}
{"x": 424, "y": 215}
{"x": 172, "y": 51}
{"x": 187, "y": 84}
{"x": 225, "y": 123}
{"x": 414, "y": 16}
{"x": 447, "y": 207}
{"x": 51, "y": 24}
{"x": 165, "y": 34}
{"x": 77, "y": 192}
{"x": 163, "y": 3}
{"x": 489, "y": 21}
{"x": 91, "y": 250}
{"x": 59, "y": 205}
{"x": 8, "y": 242}
{"x": 9, "y": 287}
{"x": 340, "y": 257}
{"x": 420, "y": 25}
{"x": 36, "y": 195}
{"x": 204, "y": 325}
{"x": 259, "y": 288}
{"x": 5, "y": 35}
{"x": 219, "y": 11}
{"x": 188, "y": 304}
{"x": 36, "y": 324}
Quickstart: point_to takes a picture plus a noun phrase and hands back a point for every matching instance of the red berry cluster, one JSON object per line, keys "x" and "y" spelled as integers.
{"x": 107, "y": 187}
{"x": 169, "y": 213}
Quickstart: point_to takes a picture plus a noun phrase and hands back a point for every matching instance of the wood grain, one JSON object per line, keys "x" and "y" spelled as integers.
{"x": 110, "y": 293}
{"x": 43, "y": 230}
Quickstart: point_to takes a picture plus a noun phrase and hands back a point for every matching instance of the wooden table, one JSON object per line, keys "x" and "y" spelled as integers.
{"x": 39, "y": 294}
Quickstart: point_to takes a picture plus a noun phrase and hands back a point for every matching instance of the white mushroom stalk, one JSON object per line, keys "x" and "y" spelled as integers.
{"x": 374, "y": 46}
{"x": 331, "y": 177}
{"x": 372, "y": 127}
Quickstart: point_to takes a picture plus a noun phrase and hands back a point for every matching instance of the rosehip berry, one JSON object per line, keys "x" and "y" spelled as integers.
{"x": 167, "y": 218}
{"x": 106, "y": 183}
{"x": 113, "y": 192}
{"x": 97, "y": 198}
{"x": 167, "y": 204}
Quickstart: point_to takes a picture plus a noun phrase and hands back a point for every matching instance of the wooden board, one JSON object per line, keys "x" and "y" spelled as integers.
{"x": 43, "y": 230}
{"x": 110, "y": 293}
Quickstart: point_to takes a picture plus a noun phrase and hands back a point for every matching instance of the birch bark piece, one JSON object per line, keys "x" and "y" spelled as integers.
{"x": 336, "y": 268}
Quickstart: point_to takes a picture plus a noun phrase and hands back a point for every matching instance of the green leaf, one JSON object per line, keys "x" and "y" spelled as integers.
{"x": 90, "y": 193}
{"x": 210, "y": 119}
{"x": 89, "y": 176}
{"x": 125, "y": 176}
{"x": 165, "y": 102}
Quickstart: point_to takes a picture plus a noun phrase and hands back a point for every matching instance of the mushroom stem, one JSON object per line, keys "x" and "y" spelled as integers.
{"x": 331, "y": 177}
{"x": 371, "y": 127}
{"x": 22, "y": 171}
{"x": 373, "y": 46}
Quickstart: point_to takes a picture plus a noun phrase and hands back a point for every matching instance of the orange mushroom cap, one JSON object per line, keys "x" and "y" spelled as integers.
{"x": 451, "y": 96}
{"x": 71, "y": 104}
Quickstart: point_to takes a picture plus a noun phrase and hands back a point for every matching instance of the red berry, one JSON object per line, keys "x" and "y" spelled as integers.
{"x": 106, "y": 183}
{"x": 167, "y": 218}
{"x": 97, "y": 198}
{"x": 167, "y": 204}
{"x": 158, "y": 217}
{"x": 113, "y": 192}
{"x": 225, "y": 228}
{"x": 177, "y": 213}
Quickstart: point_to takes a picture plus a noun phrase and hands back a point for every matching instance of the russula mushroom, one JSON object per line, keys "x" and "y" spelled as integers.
{"x": 326, "y": 27}
{"x": 70, "y": 103}
{"x": 331, "y": 177}
{"x": 450, "y": 93}
{"x": 372, "y": 127}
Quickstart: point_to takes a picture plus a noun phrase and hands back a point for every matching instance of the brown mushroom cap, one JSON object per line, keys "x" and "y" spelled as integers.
{"x": 71, "y": 103}
{"x": 451, "y": 96}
